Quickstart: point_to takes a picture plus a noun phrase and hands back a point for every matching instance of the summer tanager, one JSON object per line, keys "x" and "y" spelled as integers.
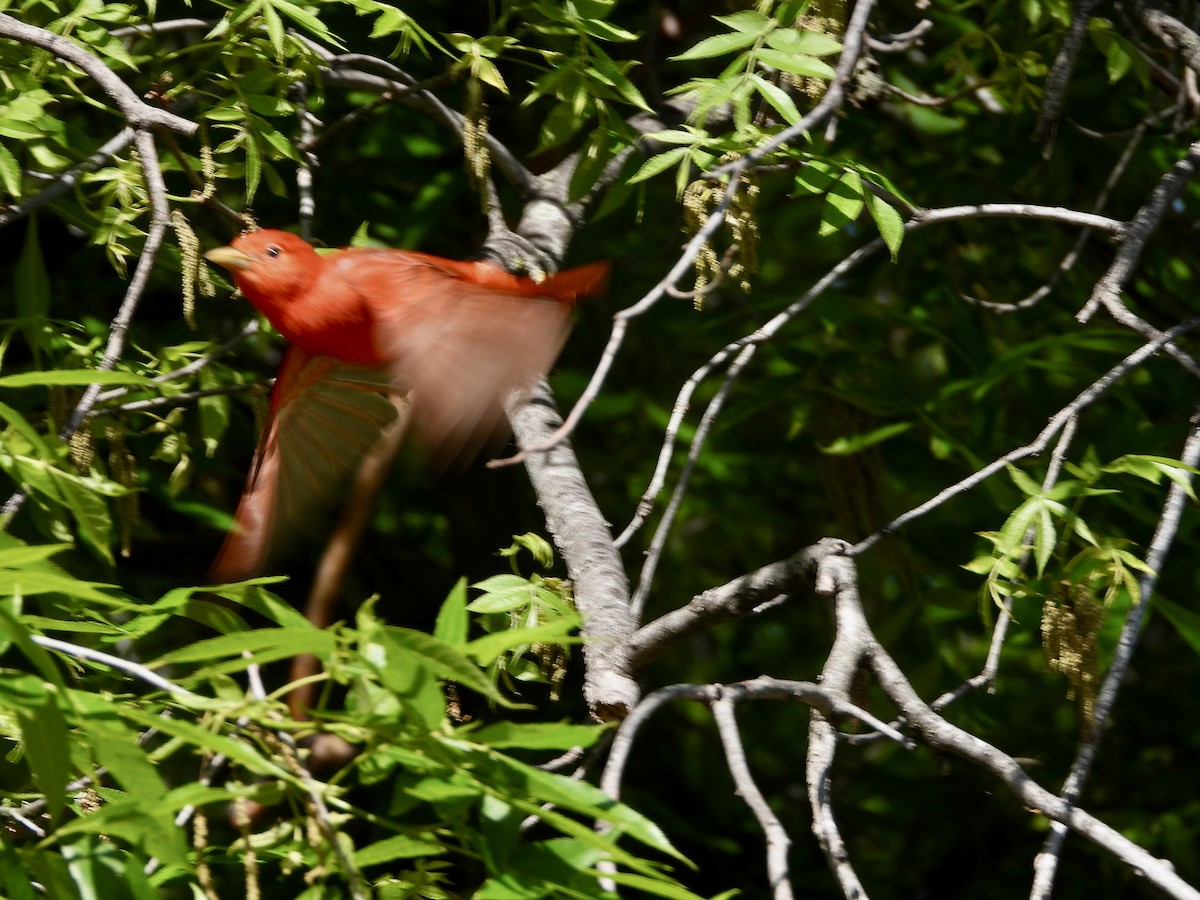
{"x": 376, "y": 334}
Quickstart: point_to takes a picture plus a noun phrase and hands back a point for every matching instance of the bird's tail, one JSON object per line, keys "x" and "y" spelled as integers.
{"x": 571, "y": 284}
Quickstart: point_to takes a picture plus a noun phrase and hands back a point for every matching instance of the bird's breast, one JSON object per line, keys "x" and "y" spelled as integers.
{"x": 338, "y": 327}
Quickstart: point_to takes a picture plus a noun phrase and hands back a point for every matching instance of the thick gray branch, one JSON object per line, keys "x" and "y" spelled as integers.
{"x": 582, "y": 536}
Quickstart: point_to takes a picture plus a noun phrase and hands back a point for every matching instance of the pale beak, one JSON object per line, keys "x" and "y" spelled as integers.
{"x": 234, "y": 260}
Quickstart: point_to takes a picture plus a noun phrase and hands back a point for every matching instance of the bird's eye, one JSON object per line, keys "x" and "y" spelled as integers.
{"x": 273, "y": 251}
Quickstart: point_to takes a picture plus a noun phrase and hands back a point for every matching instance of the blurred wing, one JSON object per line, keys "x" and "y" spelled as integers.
{"x": 324, "y": 416}
{"x": 461, "y": 337}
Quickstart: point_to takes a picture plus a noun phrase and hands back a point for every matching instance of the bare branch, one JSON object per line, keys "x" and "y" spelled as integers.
{"x": 659, "y": 542}
{"x": 1173, "y": 33}
{"x": 1068, "y": 261}
{"x": 251, "y": 327}
{"x": 898, "y": 43}
{"x": 836, "y": 578}
{"x": 852, "y": 642}
{"x": 172, "y": 400}
{"x": 746, "y": 346}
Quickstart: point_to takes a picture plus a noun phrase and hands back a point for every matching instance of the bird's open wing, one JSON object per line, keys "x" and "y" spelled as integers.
{"x": 461, "y": 337}
{"x": 324, "y": 416}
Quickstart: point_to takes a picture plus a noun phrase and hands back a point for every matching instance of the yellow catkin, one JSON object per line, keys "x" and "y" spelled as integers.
{"x": 208, "y": 169}
{"x": 200, "y": 845}
{"x": 826, "y": 17}
{"x": 81, "y": 448}
{"x": 190, "y": 264}
{"x": 241, "y": 818}
{"x": 122, "y": 468}
{"x": 698, "y": 199}
{"x": 1071, "y": 621}
{"x": 741, "y": 223}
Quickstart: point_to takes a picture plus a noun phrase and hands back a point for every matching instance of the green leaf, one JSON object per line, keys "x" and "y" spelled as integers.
{"x": 72, "y": 377}
{"x": 442, "y": 659}
{"x": 307, "y": 21}
{"x": 537, "y": 735}
{"x": 803, "y": 43}
{"x": 503, "y": 593}
{"x": 253, "y": 165}
{"x": 844, "y": 446}
{"x": 748, "y": 21}
{"x": 798, "y": 64}
{"x": 213, "y": 411}
{"x": 656, "y": 886}
{"x": 235, "y": 748}
{"x": 263, "y": 644}
{"x": 452, "y": 623}
{"x": 117, "y": 749}
{"x": 47, "y": 741}
{"x": 1045, "y": 535}
{"x": 34, "y": 706}
{"x": 843, "y": 204}
{"x": 35, "y": 653}
{"x": 659, "y": 163}
{"x": 568, "y": 794}
{"x": 888, "y": 221}
{"x": 398, "y": 846}
{"x": 1028, "y": 486}
{"x": 778, "y": 98}
{"x": 10, "y": 173}
{"x": 1012, "y": 534}
{"x": 33, "y": 285}
{"x": 274, "y": 28}
{"x": 718, "y": 45}
{"x": 485, "y": 649}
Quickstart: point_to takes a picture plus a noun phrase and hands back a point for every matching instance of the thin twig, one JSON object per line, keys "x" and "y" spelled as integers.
{"x": 778, "y": 842}
{"x": 1085, "y": 398}
{"x": 659, "y": 541}
{"x": 1106, "y": 293}
{"x": 1060, "y": 72}
{"x": 124, "y": 665}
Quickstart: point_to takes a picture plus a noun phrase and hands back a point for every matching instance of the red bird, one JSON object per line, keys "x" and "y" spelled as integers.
{"x": 375, "y": 334}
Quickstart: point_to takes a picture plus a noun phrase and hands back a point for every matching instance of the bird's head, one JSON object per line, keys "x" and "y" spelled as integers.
{"x": 270, "y": 267}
